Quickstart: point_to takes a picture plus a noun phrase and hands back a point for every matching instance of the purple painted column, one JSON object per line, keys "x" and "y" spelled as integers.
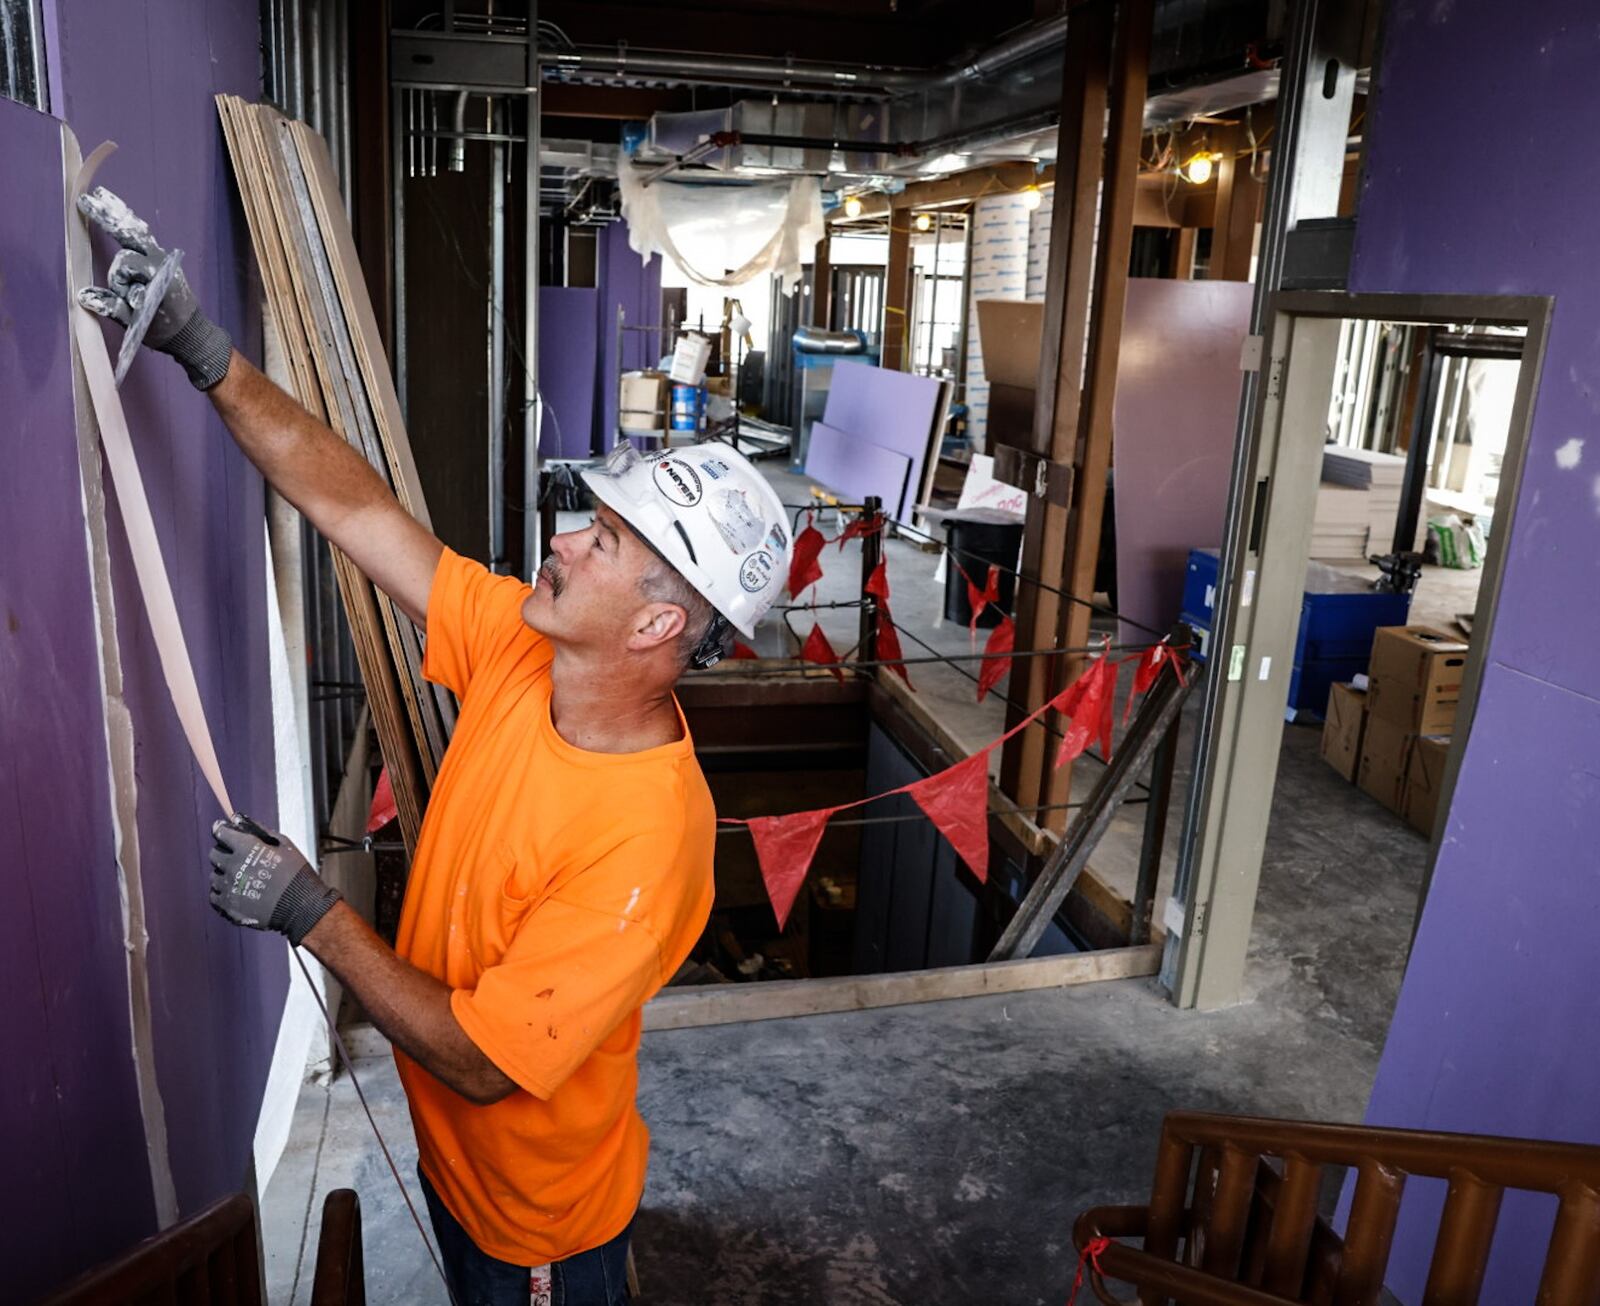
{"x": 77, "y": 1186}
{"x": 143, "y": 72}
{"x": 568, "y": 359}
{"x": 1495, "y": 1030}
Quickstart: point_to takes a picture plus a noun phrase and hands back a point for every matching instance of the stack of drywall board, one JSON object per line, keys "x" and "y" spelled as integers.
{"x": 1379, "y": 475}
{"x": 1341, "y": 523}
{"x": 334, "y": 355}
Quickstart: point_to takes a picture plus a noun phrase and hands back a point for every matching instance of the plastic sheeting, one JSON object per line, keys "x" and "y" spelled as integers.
{"x": 723, "y": 235}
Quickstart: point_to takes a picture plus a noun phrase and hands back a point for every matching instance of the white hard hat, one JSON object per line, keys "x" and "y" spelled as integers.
{"x": 711, "y": 515}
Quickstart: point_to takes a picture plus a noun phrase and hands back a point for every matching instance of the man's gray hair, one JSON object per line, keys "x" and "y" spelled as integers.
{"x": 661, "y": 583}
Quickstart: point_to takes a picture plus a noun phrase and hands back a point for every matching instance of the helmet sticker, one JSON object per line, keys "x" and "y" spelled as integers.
{"x": 739, "y": 527}
{"x": 714, "y": 468}
{"x": 678, "y": 482}
{"x": 755, "y": 572}
{"x": 777, "y": 541}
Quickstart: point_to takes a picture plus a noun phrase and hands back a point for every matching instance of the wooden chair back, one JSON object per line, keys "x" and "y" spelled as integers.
{"x": 1232, "y": 1219}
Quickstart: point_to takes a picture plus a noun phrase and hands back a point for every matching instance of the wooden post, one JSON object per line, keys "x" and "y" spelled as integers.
{"x": 1079, "y": 151}
{"x": 1183, "y": 253}
{"x": 822, "y": 285}
{"x": 1115, "y": 247}
{"x": 1233, "y": 233}
{"x": 1069, "y": 546}
{"x": 897, "y": 293}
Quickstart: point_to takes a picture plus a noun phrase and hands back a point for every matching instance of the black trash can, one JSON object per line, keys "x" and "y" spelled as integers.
{"x": 976, "y": 538}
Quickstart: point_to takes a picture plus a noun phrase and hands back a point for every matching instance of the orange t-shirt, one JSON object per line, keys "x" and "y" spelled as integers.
{"x": 555, "y": 890}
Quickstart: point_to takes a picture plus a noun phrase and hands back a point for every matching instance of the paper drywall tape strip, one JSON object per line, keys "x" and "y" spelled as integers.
{"x": 145, "y": 546}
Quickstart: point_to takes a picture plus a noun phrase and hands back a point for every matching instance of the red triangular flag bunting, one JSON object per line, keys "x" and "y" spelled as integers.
{"x": 383, "y": 809}
{"x": 858, "y": 529}
{"x": 980, "y": 599}
{"x": 1084, "y": 702}
{"x": 785, "y": 846}
{"x": 878, "y": 583}
{"x": 1149, "y": 671}
{"x": 817, "y": 649}
{"x": 804, "y": 569}
{"x": 743, "y": 652}
{"x": 957, "y": 801}
{"x": 1002, "y": 639}
{"x": 886, "y": 645}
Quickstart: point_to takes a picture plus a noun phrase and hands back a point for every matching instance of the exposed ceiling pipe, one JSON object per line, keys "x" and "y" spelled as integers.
{"x": 622, "y": 61}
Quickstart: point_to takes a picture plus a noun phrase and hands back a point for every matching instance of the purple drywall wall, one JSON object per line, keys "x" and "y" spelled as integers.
{"x": 624, "y": 279}
{"x": 568, "y": 351}
{"x": 1495, "y": 1027}
{"x": 77, "y": 1185}
{"x": 143, "y": 72}
{"x": 1176, "y": 409}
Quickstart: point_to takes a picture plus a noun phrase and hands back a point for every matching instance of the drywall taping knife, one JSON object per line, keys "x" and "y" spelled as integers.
{"x": 155, "y": 587}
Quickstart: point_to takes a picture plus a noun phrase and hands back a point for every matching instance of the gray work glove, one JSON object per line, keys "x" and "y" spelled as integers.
{"x": 179, "y": 327}
{"x": 261, "y": 880}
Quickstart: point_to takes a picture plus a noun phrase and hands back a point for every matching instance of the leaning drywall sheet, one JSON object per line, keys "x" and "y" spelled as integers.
{"x": 1177, "y": 404}
{"x": 77, "y": 1180}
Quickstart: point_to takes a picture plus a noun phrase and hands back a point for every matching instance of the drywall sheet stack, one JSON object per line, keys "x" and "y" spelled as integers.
{"x": 873, "y": 410}
{"x": 330, "y": 339}
{"x": 1379, "y": 474}
{"x": 1341, "y": 523}
{"x": 1177, "y": 404}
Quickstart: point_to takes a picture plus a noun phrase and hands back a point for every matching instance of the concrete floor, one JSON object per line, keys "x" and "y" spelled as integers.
{"x": 939, "y": 1153}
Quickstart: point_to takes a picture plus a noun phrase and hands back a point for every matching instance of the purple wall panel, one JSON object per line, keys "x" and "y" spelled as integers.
{"x": 624, "y": 279}
{"x": 854, "y": 468}
{"x": 1176, "y": 408}
{"x": 568, "y": 354}
{"x": 1494, "y": 1027}
{"x": 894, "y": 410}
{"x": 143, "y": 72}
{"x": 77, "y": 1184}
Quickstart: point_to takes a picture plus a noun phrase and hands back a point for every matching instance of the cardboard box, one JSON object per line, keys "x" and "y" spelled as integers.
{"x": 642, "y": 403}
{"x": 1342, "y": 730}
{"x": 1010, "y": 419}
{"x": 1424, "y": 780}
{"x": 1385, "y": 759}
{"x": 1416, "y": 674}
{"x": 1010, "y": 332}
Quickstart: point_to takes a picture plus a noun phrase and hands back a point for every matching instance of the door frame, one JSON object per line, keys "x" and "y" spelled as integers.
{"x": 1260, "y": 583}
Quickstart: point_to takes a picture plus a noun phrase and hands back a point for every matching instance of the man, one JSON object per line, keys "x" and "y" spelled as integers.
{"x": 564, "y": 867}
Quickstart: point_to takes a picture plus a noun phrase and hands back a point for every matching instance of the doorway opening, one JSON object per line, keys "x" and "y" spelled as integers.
{"x": 1375, "y": 494}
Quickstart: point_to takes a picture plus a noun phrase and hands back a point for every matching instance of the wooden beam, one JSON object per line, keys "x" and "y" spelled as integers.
{"x": 1183, "y": 248}
{"x": 897, "y": 296}
{"x": 1079, "y": 154}
{"x": 957, "y": 188}
{"x": 1092, "y": 449}
{"x": 1056, "y": 878}
{"x": 822, "y": 284}
{"x": 1239, "y": 197}
{"x": 730, "y": 1004}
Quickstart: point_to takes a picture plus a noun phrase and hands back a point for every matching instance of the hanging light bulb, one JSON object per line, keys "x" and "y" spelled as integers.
{"x": 1197, "y": 171}
{"x": 1032, "y": 197}
{"x": 924, "y": 222}
{"x": 852, "y": 206}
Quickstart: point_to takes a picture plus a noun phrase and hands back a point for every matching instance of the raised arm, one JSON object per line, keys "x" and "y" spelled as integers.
{"x": 303, "y": 459}
{"x": 334, "y": 486}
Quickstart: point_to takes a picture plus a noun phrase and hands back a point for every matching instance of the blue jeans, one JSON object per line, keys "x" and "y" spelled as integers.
{"x": 597, "y": 1277}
